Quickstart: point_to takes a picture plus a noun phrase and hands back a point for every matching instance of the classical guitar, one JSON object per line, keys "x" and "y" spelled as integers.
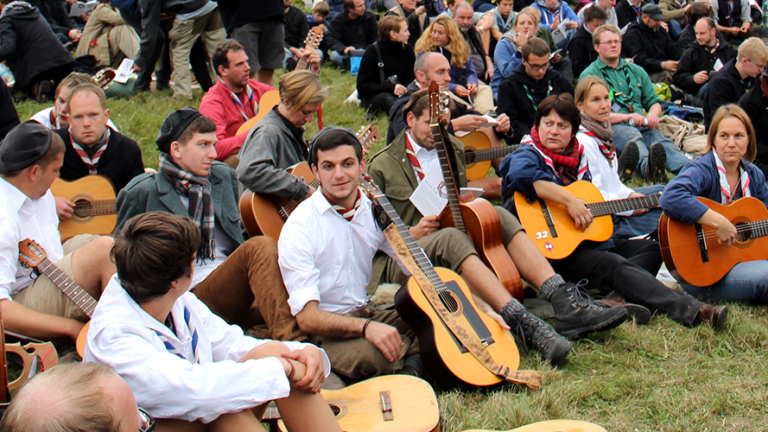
{"x": 459, "y": 345}
{"x": 554, "y": 232}
{"x": 385, "y": 403}
{"x": 477, "y": 217}
{"x": 95, "y": 211}
{"x": 271, "y": 98}
{"x": 478, "y": 154}
{"x": 555, "y": 426}
{"x": 692, "y": 253}
{"x": 265, "y": 215}
{"x": 32, "y": 255}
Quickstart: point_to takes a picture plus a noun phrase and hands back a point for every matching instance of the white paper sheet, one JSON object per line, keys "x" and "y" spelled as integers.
{"x": 431, "y": 196}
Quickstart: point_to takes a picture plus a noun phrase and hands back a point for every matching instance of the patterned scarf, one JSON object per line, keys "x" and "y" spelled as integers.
{"x": 714, "y": 48}
{"x": 192, "y": 331}
{"x": 251, "y": 100}
{"x": 91, "y": 162}
{"x": 725, "y": 187}
{"x": 198, "y": 190}
{"x": 414, "y": 160}
{"x": 346, "y": 213}
{"x": 567, "y": 165}
{"x": 603, "y": 132}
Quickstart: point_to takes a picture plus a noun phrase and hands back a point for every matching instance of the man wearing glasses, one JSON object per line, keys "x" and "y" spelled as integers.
{"x": 530, "y": 82}
{"x": 736, "y": 78}
{"x": 635, "y": 111}
{"x": 73, "y": 397}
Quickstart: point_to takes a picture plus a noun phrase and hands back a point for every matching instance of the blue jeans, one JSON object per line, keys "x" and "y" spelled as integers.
{"x": 746, "y": 282}
{"x": 338, "y": 58}
{"x": 675, "y": 29}
{"x": 625, "y": 227}
{"x": 645, "y": 138}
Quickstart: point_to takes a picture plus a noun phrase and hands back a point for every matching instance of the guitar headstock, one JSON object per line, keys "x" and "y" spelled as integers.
{"x": 367, "y": 136}
{"x": 379, "y": 201}
{"x": 31, "y": 254}
{"x": 314, "y": 37}
{"x": 438, "y": 104}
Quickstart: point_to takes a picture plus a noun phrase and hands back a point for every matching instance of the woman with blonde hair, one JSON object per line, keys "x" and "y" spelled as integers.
{"x": 443, "y": 36}
{"x": 724, "y": 174}
{"x": 505, "y": 58}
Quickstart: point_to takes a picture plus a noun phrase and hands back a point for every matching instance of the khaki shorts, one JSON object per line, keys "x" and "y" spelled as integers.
{"x": 45, "y": 297}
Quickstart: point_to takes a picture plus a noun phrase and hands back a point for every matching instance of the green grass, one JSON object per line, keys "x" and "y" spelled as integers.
{"x": 659, "y": 377}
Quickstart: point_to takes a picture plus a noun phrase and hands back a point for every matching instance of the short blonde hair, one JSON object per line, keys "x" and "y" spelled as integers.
{"x": 733, "y": 111}
{"x": 300, "y": 88}
{"x": 753, "y": 49}
{"x": 602, "y": 29}
{"x": 585, "y": 84}
{"x": 531, "y": 11}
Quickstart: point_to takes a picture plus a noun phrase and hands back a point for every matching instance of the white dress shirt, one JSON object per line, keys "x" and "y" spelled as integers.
{"x": 613, "y": 19}
{"x": 21, "y": 218}
{"x": 604, "y": 176}
{"x": 44, "y": 118}
{"x": 324, "y": 257}
{"x": 124, "y": 336}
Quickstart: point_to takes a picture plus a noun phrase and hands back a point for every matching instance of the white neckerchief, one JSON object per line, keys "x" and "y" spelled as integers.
{"x": 725, "y": 187}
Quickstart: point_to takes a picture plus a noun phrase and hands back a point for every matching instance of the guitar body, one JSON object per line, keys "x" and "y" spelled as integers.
{"x": 556, "y": 426}
{"x": 446, "y": 360}
{"x": 268, "y": 101}
{"x": 82, "y": 338}
{"x": 683, "y": 254}
{"x": 94, "y": 199}
{"x": 474, "y": 141}
{"x": 565, "y": 238}
{"x": 413, "y": 402}
{"x": 484, "y": 228}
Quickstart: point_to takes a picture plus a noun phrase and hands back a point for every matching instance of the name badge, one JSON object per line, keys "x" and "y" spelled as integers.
{"x": 615, "y": 107}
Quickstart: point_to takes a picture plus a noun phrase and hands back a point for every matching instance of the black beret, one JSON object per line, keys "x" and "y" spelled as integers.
{"x": 24, "y": 145}
{"x": 173, "y": 126}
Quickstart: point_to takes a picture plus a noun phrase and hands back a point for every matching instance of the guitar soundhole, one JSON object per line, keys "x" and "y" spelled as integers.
{"x": 335, "y": 409}
{"x": 449, "y": 302}
{"x": 83, "y": 208}
{"x": 745, "y": 233}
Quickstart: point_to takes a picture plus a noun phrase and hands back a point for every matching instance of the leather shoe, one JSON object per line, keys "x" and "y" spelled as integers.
{"x": 713, "y": 315}
{"x": 640, "y": 314}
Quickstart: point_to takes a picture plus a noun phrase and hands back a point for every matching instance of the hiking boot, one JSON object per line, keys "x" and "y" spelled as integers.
{"x": 628, "y": 160}
{"x": 657, "y": 161}
{"x": 639, "y": 313}
{"x": 542, "y": 337}
{"x": 413, "y": 366}
{"x": 713, "y": 315}
{"x": 576, "y": 315}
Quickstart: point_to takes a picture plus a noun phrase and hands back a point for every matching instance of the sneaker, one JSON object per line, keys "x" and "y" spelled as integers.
{"x": 657, "y": 161}
{"x": 576, "y": 315}
{"x": 542, "y": 337}
{"x": 628, "y": 160}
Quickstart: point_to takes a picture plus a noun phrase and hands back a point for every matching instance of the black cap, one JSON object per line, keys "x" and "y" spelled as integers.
{"x": 653, "y": 11}
{"x": 173, "y": 126}
{"x": 24, "y": 145}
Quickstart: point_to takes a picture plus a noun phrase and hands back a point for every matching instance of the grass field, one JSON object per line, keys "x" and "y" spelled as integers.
{"x": 659, "y": 377}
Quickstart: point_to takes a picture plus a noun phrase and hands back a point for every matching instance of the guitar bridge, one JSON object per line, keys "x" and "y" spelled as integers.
{"x": 548, "y": 217}
{"x": 700, "y": 237}
{"x": 386, "y": 406}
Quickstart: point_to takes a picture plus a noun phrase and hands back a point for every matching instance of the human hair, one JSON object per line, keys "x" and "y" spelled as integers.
{"x": 594, "y": 13}
{"x": 88, "y": 88}
{"x": 466, "y": 4}
{"x": 152, "y": 250}
{"x": 222, "y": 50}
{"x": 733, "y": 111}
{"x": 301, "y": 87}
{"x": 530, "y": 11}
{"x": 710, "y": 22}
{"x": 73, "y": 80}
{"x": 696, "y": 12}
{"x": 201, "y": 124}
{"x": 457, "y": 45}
{"x": 348, "y": 5}
{"x": 753, "y": 49}
{"x": 451, "y": 3}
{"x": 422, "y": 62}
{"x": 69, "y": 397}
{"x": 418, "y": 103}
{"x": 563, "y": 105}
{"x": 331, "y": 137}
{"x": 390, "y": 24}
{"x": 321, "y": 8}
{"x": 602, "y": 29}
{"x": 585, "y": 84}
{"x": 536, "y": 47}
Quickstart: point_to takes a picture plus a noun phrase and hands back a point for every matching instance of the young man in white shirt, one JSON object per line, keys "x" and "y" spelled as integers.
{"x": 186, "y": 366}
{"x": 30, "y": 158}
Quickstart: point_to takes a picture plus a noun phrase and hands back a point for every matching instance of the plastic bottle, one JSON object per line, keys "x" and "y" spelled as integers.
{"x": 7, "y": 75}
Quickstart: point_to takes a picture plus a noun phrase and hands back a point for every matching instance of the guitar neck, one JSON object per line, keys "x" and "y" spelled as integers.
{"x": 450, "y": 184}
{"x": 102, "y": 207}
{"x": 622, "y": 205}
{"x": 66, "y": 284}
{"x": 752, "y": 230}
{"x": 489, "y": 154}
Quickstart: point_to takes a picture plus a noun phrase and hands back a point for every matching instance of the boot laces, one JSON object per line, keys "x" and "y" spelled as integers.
{"x": 580, "y": 298}
{"x": 532, "y": 330}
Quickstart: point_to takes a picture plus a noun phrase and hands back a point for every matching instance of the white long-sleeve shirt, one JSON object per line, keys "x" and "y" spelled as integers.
{"x": 124, "y": 336}
{"x": 604, "y": 175}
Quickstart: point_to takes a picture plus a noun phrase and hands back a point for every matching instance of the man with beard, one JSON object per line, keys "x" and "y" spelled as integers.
{"x": 650, "y": 45}
{"x": 702, "y": 60}
{"x": 483, "y": 63}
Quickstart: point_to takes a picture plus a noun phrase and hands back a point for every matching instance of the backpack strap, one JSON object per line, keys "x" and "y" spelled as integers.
{"x": 381, "y": 62}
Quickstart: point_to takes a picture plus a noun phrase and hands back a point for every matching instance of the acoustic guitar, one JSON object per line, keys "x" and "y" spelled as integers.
{"x": 32, "y": 255}
{"x": 692, "y": 253}
{"x": 555, "y": 426}
{"x": 555, "y": 233}
{"x": 478, "y": 218}
{"x": 478, "y": 154}
{"x": 459, "y": 345}
{"x": 381, "y": 404}
{"x": 265, "y": 215}
{"x": 271, "y": 98}
{"x": 95, "y": 211}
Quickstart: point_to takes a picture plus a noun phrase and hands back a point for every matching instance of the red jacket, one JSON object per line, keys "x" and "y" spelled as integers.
{"x": 218, "y": 105}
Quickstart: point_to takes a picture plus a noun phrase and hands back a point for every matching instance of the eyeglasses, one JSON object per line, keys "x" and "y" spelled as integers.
{"x": 759, "y": 66}
{"x": 147, "y": 421}
{"x": 613, "y": 42}
{"x": 538, "y": 67}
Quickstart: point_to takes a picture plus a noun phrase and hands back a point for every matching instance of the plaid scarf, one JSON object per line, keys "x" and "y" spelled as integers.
{"x": 603, "y": 132}
{"x": 92, "y": 162}
{"x": 198, "y": 190}
{"x": 566, "y": 165}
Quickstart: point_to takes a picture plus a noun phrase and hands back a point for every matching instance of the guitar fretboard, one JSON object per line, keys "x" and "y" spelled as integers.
{"x": 450, "y": 185}
{"x": 489, "y": 154}
{"x": 96, "y": 207}
{"x": 75, "y": 292}
{"x": 622, "y": 205}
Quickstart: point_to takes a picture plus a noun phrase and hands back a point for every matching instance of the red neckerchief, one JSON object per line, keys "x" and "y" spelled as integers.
{"x": 346, "y": 213}
{"x": 91, "y": 163}
{"x": 412, "y": 156}
{"x": 609, "y": 153}
{"x": 565, "y": 164}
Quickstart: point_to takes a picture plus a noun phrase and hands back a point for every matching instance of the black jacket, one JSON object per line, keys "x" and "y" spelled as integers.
{"x": 725, "y": 88}
{"x": 56, "y": 13}
{"x": 625, "y": 14}
{"x": 414, "y": 23}
{"x": 296, "y": 27}
{"x": 398, "y": 60}
{"x": 9, "y": 118}
{"x": 28, "y": 45}
{"x": 649, "y": 48}
{"x": 756, "y": 106}
{"x": 120, "y": 162}
{"x": 236, "y": 13}
{"x": 359, "y": 33}
{"x": 698, "y": 58}
{"x": 514, "y": 100}
{"x": 581, "y": 50}
{"x": 150, "y": 22}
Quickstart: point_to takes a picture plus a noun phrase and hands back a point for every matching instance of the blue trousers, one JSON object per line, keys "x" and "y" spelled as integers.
{"x": 747, "y": 282}
{"x": 625, "y": 227}
{"x": 645, "y": 138}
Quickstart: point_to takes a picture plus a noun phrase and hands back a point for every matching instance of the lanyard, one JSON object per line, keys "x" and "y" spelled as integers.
{"x": 712, "y": 51}
{"x": 240, "y": 107}
{"x": 626, "y": 101}
{"x": 529, "y": 93}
